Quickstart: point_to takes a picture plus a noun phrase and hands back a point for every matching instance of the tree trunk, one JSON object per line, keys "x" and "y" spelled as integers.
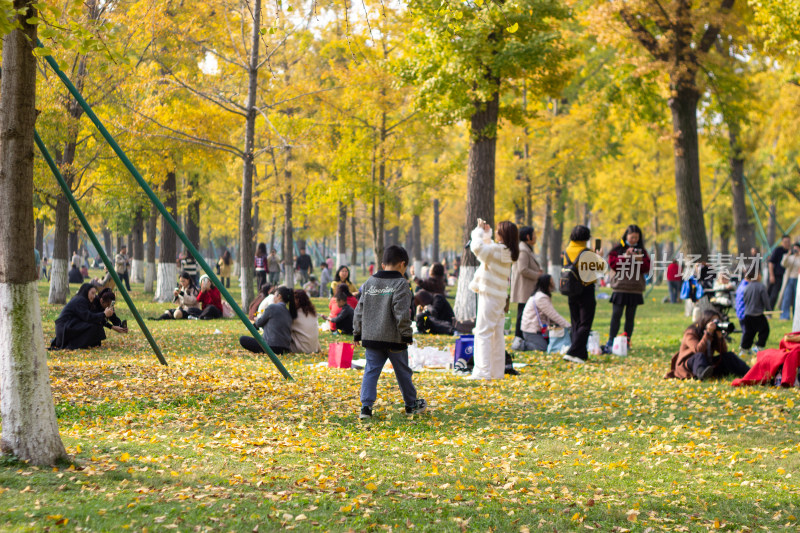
{"x": 272, "y": 234}
{"x": 480, "y": 195}
{"x": 59, "y": 284}
{"x": 288, "y": 239}
{"x": 106, "y": 239}
{"x": 193, "y": 212}
{"x": 30, "y": 428}
{"x": 341, "y": 236}
{"x": 167, "y": 269}
{"x": 687, "y": 172}
{"x": 73, "y": 245}
{"x": 379, "y": 204}
{"x": 416, "y": 245}
{"x": 556, "y": 239}
{"x": 40, "y": 236}
{"x": 354, "y": 250}
{"x": 150, "y": 270}
{"x": 435, "y": 244}
{"x": 745, "y": 233}
{"x": 137, "y": 249}
{"x": 547, "y": 231}
{"x": 246, "y": 252}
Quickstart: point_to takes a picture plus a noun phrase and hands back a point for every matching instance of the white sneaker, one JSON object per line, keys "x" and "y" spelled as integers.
{"x": 518, "y": 344}
{"x": 573, "y": 359}
{"x": 473, "y": 376}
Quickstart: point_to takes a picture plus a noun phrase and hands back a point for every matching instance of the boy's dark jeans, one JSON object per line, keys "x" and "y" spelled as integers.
{"x": 727, "y": 363}
{"x": 752, "y": 325}
{"x": 376, "y": 359}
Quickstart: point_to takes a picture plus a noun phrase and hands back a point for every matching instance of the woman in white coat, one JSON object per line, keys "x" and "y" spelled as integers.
{"x": 491, "y": 282}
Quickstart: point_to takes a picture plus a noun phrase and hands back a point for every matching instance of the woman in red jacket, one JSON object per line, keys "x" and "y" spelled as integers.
{"x": 210, "y": 298}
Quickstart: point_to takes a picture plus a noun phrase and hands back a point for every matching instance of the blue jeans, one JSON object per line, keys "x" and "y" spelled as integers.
{"x": 788, "y": 298}
{"x": 376, "y": 359}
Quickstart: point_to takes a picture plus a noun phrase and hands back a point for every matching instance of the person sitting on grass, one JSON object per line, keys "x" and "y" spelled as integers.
{"x": 343, "y": 321}
{"x": 210, "y": 298}
{"x": 305, "y": 330}
{"x": 434, "y": 314}
{"x": 312, "y": 286}
{"x": 106, "y": 282}
{"x": 382, "y": 324}
{"x": 263, "y": 292}
{"x": 436, "y": 282}
{"x": 185, "y": 295}
{"x": 276, "y": 322}
{"x": 74, "y": 275}
{"x": 704, "y": 353}
{"x": 105, "y": 299}
{"x": 343, "y": 276}
{"x": 334, "y": 307}
{"x": 78, "y": 326}
{"x": 539, "y": 314}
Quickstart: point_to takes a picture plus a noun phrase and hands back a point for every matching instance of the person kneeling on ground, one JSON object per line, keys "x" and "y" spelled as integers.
{"x": 343, "y": 321}
{"x": 210, "y": 298}
{"x": 434, "y": 314}
{"x": 539, "y": 314}
{"x": 79, "y": 327}
{"x": 277, "y": 324}
{"x": 185, "y": 295}
{"x": 105, "y": 299}
{"x": 704, "y": 353}
{"x": 305, "y": 329}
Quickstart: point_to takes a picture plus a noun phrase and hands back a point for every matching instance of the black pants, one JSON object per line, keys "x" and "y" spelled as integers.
{"x": 581, "y": 314}
{"x": 212, "y": 311}
{"x": 774, "y": 290}
{"x": 125, "y": 278}
{"x": 249, "y": 343}
{"x": 261, "y": 277}
{"x": 227, "y": 282}
{"x": 752, "y": 326}
{"x": 616, "y": 318}
{"x": 518, "y": 331}
{"x": 427, "y": 323}
{"x": 724, "y": 364}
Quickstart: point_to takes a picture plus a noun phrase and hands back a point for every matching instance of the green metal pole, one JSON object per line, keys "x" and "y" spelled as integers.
{"x": 171, "y": 221}
{"x": 106, "y": 261}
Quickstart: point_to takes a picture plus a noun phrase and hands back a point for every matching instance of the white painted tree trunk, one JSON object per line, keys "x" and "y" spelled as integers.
{"x": 341, "y": 259}
{"x": 137, "y": 271}
{"x": 796, "y": 321}
{"x": 466, "y": 305}
{"x": 418, "y": 269}
{"x": 289, "y": 276}
{"x": 166, "y": 282}
{"x": 30, "y": 428}
{"x": 59, "y": 282}
{"x": 149, "y": 277}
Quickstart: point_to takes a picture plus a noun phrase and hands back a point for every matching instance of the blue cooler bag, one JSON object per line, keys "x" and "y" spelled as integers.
{"x": 465, "y": 346}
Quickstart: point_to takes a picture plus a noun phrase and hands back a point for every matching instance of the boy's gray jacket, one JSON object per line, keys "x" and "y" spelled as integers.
{"x": 383, "y": 314}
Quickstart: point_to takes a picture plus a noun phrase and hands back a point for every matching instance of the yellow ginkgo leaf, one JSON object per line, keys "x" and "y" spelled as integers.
{"x": 790, "y": 403}
{"x": 125, "y": 457}
{"x": 372, "y": 486}
{"x": 513, "y": 28}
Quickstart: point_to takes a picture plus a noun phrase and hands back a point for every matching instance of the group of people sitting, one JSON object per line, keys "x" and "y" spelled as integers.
{"x": 83, "y": 321}
{"x": 193, "y": 302}
{"x": 288, "y": 320}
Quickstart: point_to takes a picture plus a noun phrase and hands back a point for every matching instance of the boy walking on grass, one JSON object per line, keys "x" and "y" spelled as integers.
{"x": 382, "y": 323}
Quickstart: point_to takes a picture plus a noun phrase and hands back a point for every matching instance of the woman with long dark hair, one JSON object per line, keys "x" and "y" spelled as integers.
{"x": 704, "y": 352}
{"x": 343, "y": 276}
{"x": 185, "y": 296}
{"x": 629, "y": 264}
{"x": 225, "y": 268}
{"x": 491, "y": 283}
{"x": 261, "y": 264}
{"x": 78, "y": 326}
{"x": 305, "y": 329}
{"x": 276, "y": 320}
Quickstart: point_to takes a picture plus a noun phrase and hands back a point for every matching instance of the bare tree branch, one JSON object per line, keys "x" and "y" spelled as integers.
{"x": 643, "y": 35}
{"x": 713, "y": 29}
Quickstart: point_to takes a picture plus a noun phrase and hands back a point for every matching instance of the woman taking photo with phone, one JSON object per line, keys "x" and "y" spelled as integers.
{"x": 491, "y": 282}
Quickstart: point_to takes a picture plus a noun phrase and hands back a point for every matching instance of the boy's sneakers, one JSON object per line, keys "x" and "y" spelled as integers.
{"x": 419, "y": 407}
{"x": 366, "y": 413}
{"x": 573, "y": 359}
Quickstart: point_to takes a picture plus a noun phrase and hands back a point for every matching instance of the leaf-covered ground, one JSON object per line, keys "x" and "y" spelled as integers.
{"x": 218, "y": 441}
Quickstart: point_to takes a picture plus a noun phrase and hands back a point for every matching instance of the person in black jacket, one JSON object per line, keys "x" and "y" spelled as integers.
{"x": 74, "y": 275}
{"x": 434, "y": 314}
{"x": 79, "y": 327}
{"x": 344, "y": 320}
{"x": 105, "y": 299}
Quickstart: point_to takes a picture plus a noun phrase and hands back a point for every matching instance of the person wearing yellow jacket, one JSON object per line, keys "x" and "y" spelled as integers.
{"x": 581, "y": 306}
{"x": 491, "y": 282}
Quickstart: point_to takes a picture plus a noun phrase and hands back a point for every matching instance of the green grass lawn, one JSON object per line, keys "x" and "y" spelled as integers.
{"x": 218, "y": 441}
